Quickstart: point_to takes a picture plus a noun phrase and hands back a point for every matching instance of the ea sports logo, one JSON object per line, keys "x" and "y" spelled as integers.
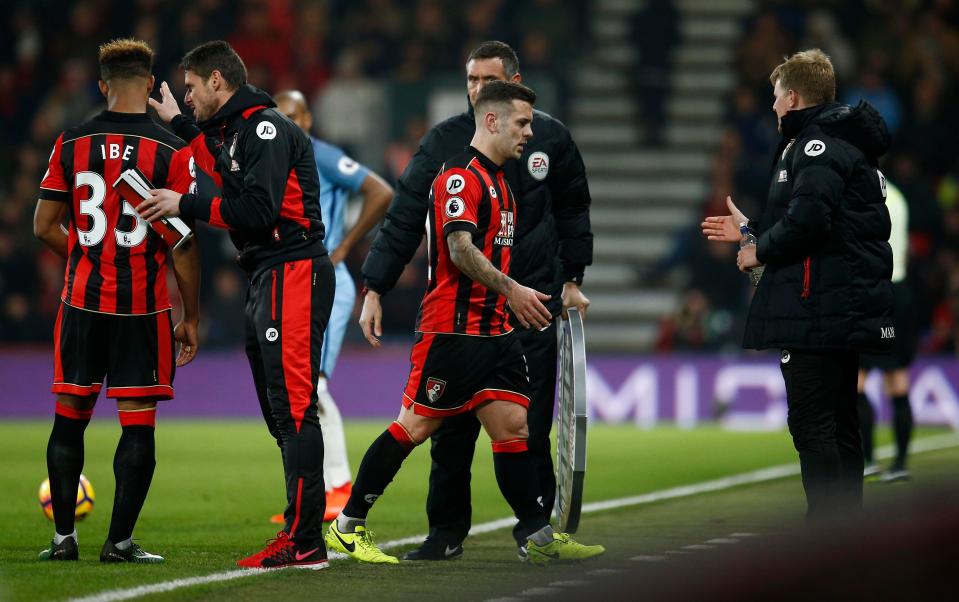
{"x": 814, "y": 148}
{"x": 455, "y": 207}
{"x": 272, "y": 334}
{"x": 538, "y": 165}
{"x": 266, "y": 130}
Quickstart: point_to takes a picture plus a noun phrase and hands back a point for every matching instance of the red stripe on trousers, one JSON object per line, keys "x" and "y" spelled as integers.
{"x": 73, "y": 413}
{"x": 164, "y": 349}
{"x": 417, "y": 359}
{"x": 296, "y": 336}
{"x": 138, "y": 417}
{"x": 299, "y": 498}
{"x": 512, "y": 446}
{"x": 273, "y": 298}
{"x": 146, "y": 160}
{"x": 216, "y": 218}
{"x": 292, "y": 207}
{"x": 57, "y": 363}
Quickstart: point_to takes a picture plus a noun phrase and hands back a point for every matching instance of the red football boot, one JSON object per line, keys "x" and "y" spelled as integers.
{"x": 282, "y": 552}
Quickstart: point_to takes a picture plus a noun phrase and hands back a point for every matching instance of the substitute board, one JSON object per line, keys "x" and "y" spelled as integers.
{"x": 571, "y": 422}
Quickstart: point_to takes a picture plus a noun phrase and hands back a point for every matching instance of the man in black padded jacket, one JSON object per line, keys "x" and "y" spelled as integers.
{"x": 554, "y": 244}
{"x": 825, "y": 294}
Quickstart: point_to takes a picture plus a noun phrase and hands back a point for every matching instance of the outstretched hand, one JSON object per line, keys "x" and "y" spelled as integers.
{"x": 167, "y": 107}
{"x": 725, "y": 228}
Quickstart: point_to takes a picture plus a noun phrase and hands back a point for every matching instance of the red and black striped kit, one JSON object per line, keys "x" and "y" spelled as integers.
{"x": 469, "y": 194}
{"x": 116, "y": 263}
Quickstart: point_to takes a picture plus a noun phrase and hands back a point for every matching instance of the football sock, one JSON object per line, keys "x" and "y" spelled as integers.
{"x": 59, "y": 539}
{"x": 64, "y": 463}
{"x": 133, "y": 467}
{"x": 902, "y": 428}
{"x": 336, "y": 466}
{"x": 123, "y": 545}
{"x": 867, "y": 422}
{"x": 380, "y": 464}
{"x": 542, "y": 537}
{"x": 517, "y": 480}
{"x": 348, "y": 524}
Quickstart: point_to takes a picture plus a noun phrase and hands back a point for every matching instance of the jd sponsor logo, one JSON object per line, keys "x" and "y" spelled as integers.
{"x": 814, "y": 148}
{"x": 272, "y": 334}
{"x": 266, "y": 130}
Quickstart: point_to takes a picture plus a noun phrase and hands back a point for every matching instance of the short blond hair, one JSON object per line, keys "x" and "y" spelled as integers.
{"x": 125, "y": 58}
{"x": 810, "y": 74}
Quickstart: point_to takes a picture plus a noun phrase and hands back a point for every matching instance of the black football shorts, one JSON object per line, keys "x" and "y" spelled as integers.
{"x": 134, "y": 353}
{"x": 453, "y": 373}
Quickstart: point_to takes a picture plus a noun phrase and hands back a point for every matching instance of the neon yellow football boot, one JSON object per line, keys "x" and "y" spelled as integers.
{"x": 562, "y": 549}
{"x": 357, "y": 545}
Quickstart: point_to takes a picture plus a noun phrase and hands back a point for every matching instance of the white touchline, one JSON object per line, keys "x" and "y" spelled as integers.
{"x": 756, "y": 476}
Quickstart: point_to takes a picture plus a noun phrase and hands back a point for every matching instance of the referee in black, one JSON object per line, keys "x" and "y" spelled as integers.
{"x": 825, "y": 294}
{"x": 553, "y": 246}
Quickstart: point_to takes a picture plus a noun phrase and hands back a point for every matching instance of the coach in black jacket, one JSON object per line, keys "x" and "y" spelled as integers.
{"x": 267, "y": 194}
{"x": 826, "y": 293}
{"x": 553, "y": 246}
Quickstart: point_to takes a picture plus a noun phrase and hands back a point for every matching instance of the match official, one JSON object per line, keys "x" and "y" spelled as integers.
{"x": 825, "y": 294}
{"x": 553, "y": 246}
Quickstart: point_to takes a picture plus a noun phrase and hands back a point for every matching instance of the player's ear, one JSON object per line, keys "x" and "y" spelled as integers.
{"x": 151, "y": 81}
{"x": 104, "y": 89}
{"x": 517, "y": 78}
{"x": 491, "y": 122}
{"x": 216, "y": 80}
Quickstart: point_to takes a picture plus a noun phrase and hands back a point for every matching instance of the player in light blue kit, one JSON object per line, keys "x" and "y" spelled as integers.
{"x": 340, "y": 177}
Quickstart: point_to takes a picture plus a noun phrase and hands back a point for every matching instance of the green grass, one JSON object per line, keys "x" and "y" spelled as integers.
{"x": 217, "y": 483}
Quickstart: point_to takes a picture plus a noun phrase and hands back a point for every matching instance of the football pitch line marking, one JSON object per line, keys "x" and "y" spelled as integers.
{"x": 762, "y": 475}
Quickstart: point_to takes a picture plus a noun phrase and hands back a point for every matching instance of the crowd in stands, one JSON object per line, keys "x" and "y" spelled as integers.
{"x": 366, "y": 65}
{"x": 903, "y": 58}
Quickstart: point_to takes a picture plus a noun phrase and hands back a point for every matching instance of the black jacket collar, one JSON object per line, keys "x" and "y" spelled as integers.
{"x": 244, "y": 98}
{"x": 794, "y": 122}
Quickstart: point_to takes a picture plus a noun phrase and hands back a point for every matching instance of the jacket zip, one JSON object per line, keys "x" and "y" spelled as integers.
{"x": 806, "y": 277}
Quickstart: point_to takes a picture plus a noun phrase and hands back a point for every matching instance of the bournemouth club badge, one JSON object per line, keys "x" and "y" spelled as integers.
{"x": 435, "y": 388}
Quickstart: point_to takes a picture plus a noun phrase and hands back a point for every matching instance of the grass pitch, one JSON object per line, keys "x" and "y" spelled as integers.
{"x": 218, "y": 482}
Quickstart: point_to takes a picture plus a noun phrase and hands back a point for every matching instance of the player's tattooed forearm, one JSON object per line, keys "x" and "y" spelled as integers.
{"x": 474, "y": 264}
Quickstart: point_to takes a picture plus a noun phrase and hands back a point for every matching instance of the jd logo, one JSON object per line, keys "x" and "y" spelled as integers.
{"x": 272, "y": 334}
{"x": 814, "y": 148}
{"x": 266, "y": 130}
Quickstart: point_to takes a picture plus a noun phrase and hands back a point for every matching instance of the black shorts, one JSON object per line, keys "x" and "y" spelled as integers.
{"x": 134, "y": 353}
{"x": 452, "y": 373}
{"x": 904, "y": 347}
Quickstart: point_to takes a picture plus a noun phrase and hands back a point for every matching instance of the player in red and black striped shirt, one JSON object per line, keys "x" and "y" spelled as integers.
{"x": 115, "y": 316}
{"x": 465, "y": 357}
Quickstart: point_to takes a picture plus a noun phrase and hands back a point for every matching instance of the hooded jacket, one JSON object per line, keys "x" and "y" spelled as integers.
{"x": 553, "y": 241}
{"x": 823, "y": 236}
{"x": 261, "y": 181}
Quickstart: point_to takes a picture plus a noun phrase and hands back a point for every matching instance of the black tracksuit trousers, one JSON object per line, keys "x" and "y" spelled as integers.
{"x": 824, "y": 424}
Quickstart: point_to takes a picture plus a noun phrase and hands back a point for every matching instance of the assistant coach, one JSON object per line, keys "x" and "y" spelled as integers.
{"x": 826, "y": 293}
